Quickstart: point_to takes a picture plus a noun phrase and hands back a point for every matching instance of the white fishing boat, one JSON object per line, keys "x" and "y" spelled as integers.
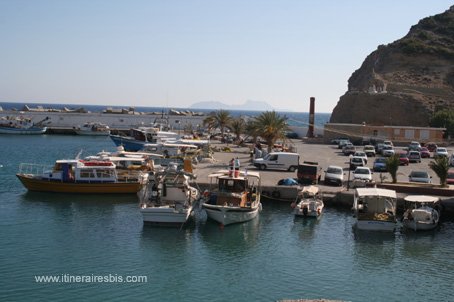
{"x": 235, "y": 196}
{"x": 93, "y": 128}
{"x": 420, "y": 213}
{"x": 375, "y": 209}
{"x": 21, "y": 125}
{"x": 168, "y": 198}
{"x": 309, "y": 203}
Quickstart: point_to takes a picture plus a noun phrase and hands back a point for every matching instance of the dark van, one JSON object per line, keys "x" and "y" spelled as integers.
{"x": 309, "y": 173}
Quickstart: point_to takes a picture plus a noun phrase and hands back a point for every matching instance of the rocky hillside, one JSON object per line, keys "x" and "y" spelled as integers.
{"x": 404, "y": 82}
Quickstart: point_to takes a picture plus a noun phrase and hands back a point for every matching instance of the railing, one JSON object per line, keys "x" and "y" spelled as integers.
{"x": 34, "y": 169}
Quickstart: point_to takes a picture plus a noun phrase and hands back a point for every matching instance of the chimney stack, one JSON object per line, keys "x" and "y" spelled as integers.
{"x": 310, "y": 130}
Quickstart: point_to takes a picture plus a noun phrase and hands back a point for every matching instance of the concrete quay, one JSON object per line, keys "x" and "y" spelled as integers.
{"x": 325, "y": 155}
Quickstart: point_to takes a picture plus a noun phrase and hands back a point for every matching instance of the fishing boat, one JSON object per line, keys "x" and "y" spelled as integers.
{"x": 139, "y": 137}
{"x": 235, "y": 196}
{"x": 80, "y": 176}
{"x": 420, "y": 213}
{"x": 375, "y": 209}
{"x": 21, "y": 125}
{"x": 93, "y": 128}
{"x": 309, "y": 204}
{"x": 168, "y": 198}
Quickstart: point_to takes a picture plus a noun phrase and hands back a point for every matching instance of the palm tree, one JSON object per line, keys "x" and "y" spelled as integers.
{"x": 271, "y": 127}
{"x": 440, "y": 166}
{"x": 220, "y": 119}
{"x": 392, "y": 165}
{"x": 238, "y": 127}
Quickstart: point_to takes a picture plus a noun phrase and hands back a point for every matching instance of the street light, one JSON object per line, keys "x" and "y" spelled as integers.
{"x": 349, "y": 168}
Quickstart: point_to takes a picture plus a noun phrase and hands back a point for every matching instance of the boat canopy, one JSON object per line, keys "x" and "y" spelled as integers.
{"x": 243, "y": 173}
{"x": 310, "y": 190}
{"x": 421, "y": 199}
{"x": 361, "y": 192}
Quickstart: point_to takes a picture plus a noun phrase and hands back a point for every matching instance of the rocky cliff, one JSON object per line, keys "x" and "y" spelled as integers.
{"x": 404, "y": 82}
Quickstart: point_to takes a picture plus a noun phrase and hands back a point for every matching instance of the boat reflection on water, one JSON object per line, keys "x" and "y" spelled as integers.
{"x": 305, "y": 227}
{"x": 231, "y": 239}
{"x": 82, "y": 199}
{"x": 374, "y": 250}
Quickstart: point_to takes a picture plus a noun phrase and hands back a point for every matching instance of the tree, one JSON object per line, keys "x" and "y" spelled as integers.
{"x": 271, "y": 127}
{"x": 238, "y": 127}
{"x": 440, "y": 166}
{"x": 392, "y": 165}
{"x": 444, "y": 119}
{"x": 220, "y": 119}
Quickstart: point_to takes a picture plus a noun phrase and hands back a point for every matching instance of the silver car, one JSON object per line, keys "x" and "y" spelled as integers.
{"x": 420, "y": 176}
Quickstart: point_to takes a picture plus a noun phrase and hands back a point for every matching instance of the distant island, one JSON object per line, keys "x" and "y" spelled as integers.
{"x": 248, "y": 105}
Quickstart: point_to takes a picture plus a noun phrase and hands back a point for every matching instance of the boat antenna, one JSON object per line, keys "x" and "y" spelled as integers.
{"x": 79, "y": 154}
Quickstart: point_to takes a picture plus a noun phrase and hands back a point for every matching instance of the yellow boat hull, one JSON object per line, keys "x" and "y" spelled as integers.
{"x": 42, "y": 185}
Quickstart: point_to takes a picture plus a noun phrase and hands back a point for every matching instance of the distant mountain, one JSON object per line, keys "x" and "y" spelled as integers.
{"x": 248, "y": 105}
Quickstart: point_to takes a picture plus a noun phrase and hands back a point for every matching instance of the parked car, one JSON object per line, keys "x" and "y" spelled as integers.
{"x": 450, "y": 178}
{"x": 334, "y": 175}
{"x": 361, "y": 154}
{"x": 369, "y": 150}
{"x": 342, "y": 143}
{"x": 440, "y": 152}
{"x": 388, "y": 143}
{"x": 451, "y": 160}
{"x": 348, "y": 149}
{"x": 356, "y": 161}
{"x": 414, "y": 146}
{"x": 387, "y": 151}
{"x": 362, "y": 173}
{"x": 414, "y": 156}
{"x": 380, "y": 164}
{"x": 336, "y": 141}
{"x": 403, "y": 158}
{"x": 431, "y": 146}
{"x": 379, "y": 147}
{"x": 424, "y": 152}
{"x": 420, "y": 176}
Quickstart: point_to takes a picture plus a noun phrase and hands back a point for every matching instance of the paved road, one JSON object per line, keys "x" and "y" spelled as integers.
{"x": 325, "y": 155}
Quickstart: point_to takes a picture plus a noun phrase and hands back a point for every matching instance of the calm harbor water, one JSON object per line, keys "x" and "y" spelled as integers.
{"x": 270, "y": 258}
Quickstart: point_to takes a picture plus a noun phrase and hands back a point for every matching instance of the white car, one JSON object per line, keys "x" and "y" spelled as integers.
{"x": 415, "y": 146}
{"x": 362, "y": 173}
{"x": 441, "y": 152}
{"x": 334, "y": 175}
{"x": 420, "y": 176}
{"x": 361, "y": 154}
{"x": 369, "y": 150}
{"x": 387, "y": 151}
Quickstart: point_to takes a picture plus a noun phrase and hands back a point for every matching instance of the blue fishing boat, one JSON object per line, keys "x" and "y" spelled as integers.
{"x": 138, "y": 137}
{"x": 21, "y": 125}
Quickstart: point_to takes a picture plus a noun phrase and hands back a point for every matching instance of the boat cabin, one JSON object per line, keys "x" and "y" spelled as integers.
{"x": 82, "y": 171}
{"x": 234, "y": 191}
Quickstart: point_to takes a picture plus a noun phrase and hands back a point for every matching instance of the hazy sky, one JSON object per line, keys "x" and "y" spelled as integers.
{"x": 175, "y": 53}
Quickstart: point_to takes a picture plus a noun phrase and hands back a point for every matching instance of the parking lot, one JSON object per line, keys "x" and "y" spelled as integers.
{"x": 325, "y": 155}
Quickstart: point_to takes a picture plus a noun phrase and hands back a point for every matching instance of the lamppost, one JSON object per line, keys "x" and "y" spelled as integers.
{"x": 349, "y": 168}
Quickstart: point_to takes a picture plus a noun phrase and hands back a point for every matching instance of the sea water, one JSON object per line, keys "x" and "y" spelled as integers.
{"x": 269, "y": 258}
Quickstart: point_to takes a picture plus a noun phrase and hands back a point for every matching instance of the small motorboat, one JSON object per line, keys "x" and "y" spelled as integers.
{"x": 421, "y": 213}
{"x": 309, "y": 203}
{"x": 375, "y": 209}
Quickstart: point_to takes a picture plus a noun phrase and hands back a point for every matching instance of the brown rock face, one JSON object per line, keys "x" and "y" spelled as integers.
{"x": 404, "y": 82}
